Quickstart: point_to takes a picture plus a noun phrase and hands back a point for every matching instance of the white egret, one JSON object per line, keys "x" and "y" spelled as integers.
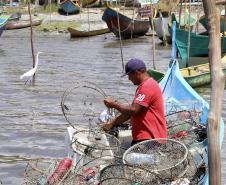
{"x": 29, "y": 74}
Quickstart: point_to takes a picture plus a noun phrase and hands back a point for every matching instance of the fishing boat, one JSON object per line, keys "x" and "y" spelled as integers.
{"x": 3, "y": 21}
{"x": 185, "y": 20}
{"x": 69, "y": 7}
{"x": 11, "y": 25}
{"x": 195, "y": 76}
{"x": 204, "y": 22}
{"x": 122, "y": 25}
{"x": 176, "y": 89}
{"x": 162, "y": 29}
{"x": 86, "y": 33}
{"x": 89, "y": 3}
{"x": 198, "y": 44}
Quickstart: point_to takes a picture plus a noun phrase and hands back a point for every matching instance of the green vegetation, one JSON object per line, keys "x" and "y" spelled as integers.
{"x": 24, "y": 9}
{"x": 56, "y": 26}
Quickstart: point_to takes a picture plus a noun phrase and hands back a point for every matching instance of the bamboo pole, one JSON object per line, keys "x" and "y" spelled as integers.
{"x": 217, "y": 89}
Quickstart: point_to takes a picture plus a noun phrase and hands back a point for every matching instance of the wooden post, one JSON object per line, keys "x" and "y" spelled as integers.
{"x": 31, "y": 36}
{"x": 217, "y": 89}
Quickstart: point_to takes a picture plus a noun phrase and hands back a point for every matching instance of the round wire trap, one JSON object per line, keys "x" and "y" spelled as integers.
{"x": 185, "y": 126}
{"x": 123, "y": 174}
{"x": 42, "y": 171}
{"x": 165, "y": 157}
{"x": 81, "y": 103}
{"x": 94, "y": 143}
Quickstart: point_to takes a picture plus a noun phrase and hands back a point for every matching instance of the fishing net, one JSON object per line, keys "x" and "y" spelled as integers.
{"x": 81, "y": 103}
{"x": 183, "y": 122}
{"x": 94, "y": 144}
{"x": 165, "y": 157}
{"x": 123, "y": 174}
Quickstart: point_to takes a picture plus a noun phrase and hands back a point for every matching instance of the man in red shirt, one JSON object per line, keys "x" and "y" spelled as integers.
{"x": 146, "y": 113}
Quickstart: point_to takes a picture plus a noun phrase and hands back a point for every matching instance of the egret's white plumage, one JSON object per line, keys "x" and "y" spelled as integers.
{"x": 31, "y": 72}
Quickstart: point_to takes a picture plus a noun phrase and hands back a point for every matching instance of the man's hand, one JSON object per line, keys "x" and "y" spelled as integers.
{"x": 109, "y": 102}
{"x": 106, "y": 126}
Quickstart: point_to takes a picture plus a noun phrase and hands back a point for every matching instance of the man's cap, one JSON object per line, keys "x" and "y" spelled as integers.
{"x": 133, "y": 65}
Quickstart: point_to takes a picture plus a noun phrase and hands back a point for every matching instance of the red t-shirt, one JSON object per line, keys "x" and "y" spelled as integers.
{"x": 149, "y": 123}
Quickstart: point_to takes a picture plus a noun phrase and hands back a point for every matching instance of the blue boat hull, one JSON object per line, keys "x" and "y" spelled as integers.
{"x": 176, "y": 89}
{"x": 69, "y": 7}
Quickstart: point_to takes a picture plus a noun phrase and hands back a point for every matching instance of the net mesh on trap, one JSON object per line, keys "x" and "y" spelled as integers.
{"x": 165, "y": 157}
{"x": 183, "y": 122}
{"x": 40, "y": 171}
{"x": 81, "y": 103}
{"x": 95, "y": 144}
{"x": 123, "y": 174}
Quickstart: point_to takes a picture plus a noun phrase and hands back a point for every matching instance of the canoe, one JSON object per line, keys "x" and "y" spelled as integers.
{"x": 69, "y": 7}
{"x": 176, "y": 90}
{"x": 198, "y": 44}
{"x": 89, "y": 3}
{"x": 162, "y": 29}
{"x": 21, "y": 24}
{"x": 79, "y": 33}
{"x": 129, "y": 28}
{"x": 3, "y": 21}
{"x": 195, "y": 76}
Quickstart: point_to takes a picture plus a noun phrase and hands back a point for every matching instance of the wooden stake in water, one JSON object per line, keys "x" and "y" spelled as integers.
{"x": 31, "y": 34}
{"x": 153, "y": 37}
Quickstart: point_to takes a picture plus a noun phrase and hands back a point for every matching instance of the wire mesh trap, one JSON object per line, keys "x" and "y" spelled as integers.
{"x": 94, "y": 143}
{"x": 183, "y": 123}
{"x": 46, "y": 171}
{"x": 164, "y": 157}
{"x": 123, "y": 174}
{"x": 81, "y": 103}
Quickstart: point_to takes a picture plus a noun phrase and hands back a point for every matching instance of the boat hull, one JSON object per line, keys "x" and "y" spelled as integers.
{"x": 128, "y": 28}
{"x": 176, "y": 89}
{"x": 195, "y": 76}
{"x": 162, "y": 29}
{"x": 11, "y": 25}
{"x": 3, "y": 21}
{"x": 198, "y": 44}
{"x": 77, "y": 33}
{"x": 69, "y": 7}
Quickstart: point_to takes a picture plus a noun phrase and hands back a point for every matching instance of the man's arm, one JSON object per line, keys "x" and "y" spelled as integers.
{"x": 116, "y": 121}
{"x": 131, "y": 110}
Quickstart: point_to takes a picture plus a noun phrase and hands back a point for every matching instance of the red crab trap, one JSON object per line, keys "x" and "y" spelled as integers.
{"x": 166, "y": 158}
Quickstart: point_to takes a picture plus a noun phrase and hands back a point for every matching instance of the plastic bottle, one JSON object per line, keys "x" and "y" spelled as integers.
{"x": 61, "y": 169}
{"x": 141, "y": 159}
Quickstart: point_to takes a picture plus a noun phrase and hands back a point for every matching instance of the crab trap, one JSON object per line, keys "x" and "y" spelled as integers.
{"x": 164, "y": 157}
{"x": 123, "y": 174}
{"x": 184, "y": 122}
{"x": 48, "y": 171}
{"x": 82, "y": 103}
{"x": 94, "y": 144}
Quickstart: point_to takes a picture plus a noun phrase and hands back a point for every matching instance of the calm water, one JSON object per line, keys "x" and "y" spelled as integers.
{"x": 32, "y": 124}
